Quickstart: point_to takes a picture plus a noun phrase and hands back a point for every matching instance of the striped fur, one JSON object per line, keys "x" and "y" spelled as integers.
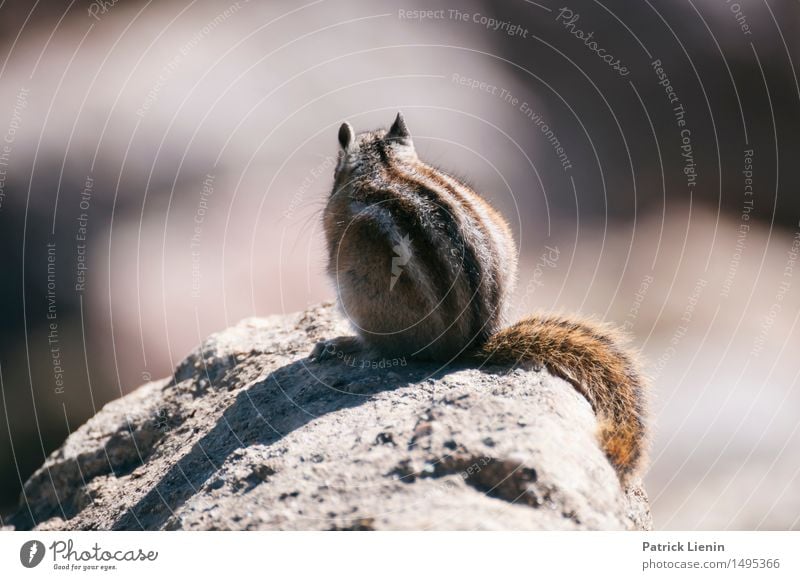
{"x": 444, "y": 295}
{"x": 450, "y": 295}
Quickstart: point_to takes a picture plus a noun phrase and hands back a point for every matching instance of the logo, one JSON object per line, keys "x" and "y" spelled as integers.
{"x": 32, "y": 553}
{"x": 402, "y": 251}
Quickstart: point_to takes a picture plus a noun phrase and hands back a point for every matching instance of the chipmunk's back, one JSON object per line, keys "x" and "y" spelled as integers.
{"x": 421, "y": 263}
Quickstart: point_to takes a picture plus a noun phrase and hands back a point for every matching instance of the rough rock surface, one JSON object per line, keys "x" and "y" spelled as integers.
{"x": 248, "y": 434}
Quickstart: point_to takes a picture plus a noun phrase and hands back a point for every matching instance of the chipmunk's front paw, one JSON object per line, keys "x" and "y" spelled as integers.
{"x": 335, "y": 348}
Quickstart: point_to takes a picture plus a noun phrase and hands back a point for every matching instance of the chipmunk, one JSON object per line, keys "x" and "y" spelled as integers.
{"x": 423, "y": 267}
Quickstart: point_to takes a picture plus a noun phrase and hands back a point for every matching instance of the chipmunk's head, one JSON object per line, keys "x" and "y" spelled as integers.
{"x": 365, "y": 152}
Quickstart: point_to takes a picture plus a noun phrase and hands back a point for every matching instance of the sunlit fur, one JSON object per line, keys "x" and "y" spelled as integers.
{"x": 449, "y": 300}
{"x": 452, "y": 290}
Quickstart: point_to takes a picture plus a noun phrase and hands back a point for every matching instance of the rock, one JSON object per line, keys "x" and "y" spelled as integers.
{"x": 248, "y": 434}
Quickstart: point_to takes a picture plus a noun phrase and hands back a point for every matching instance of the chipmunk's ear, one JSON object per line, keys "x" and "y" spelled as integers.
{"x": 346, "y": 136}
{"x": 399, "y": 130}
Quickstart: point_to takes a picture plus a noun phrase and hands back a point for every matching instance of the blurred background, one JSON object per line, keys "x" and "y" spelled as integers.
{"x": 163, "y": 166}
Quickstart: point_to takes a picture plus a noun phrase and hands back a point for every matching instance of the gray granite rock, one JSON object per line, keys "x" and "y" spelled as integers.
{"x": 248, "y": 434}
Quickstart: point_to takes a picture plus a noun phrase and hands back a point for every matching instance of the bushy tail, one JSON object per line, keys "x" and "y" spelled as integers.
{"x": 595, "y": 360}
